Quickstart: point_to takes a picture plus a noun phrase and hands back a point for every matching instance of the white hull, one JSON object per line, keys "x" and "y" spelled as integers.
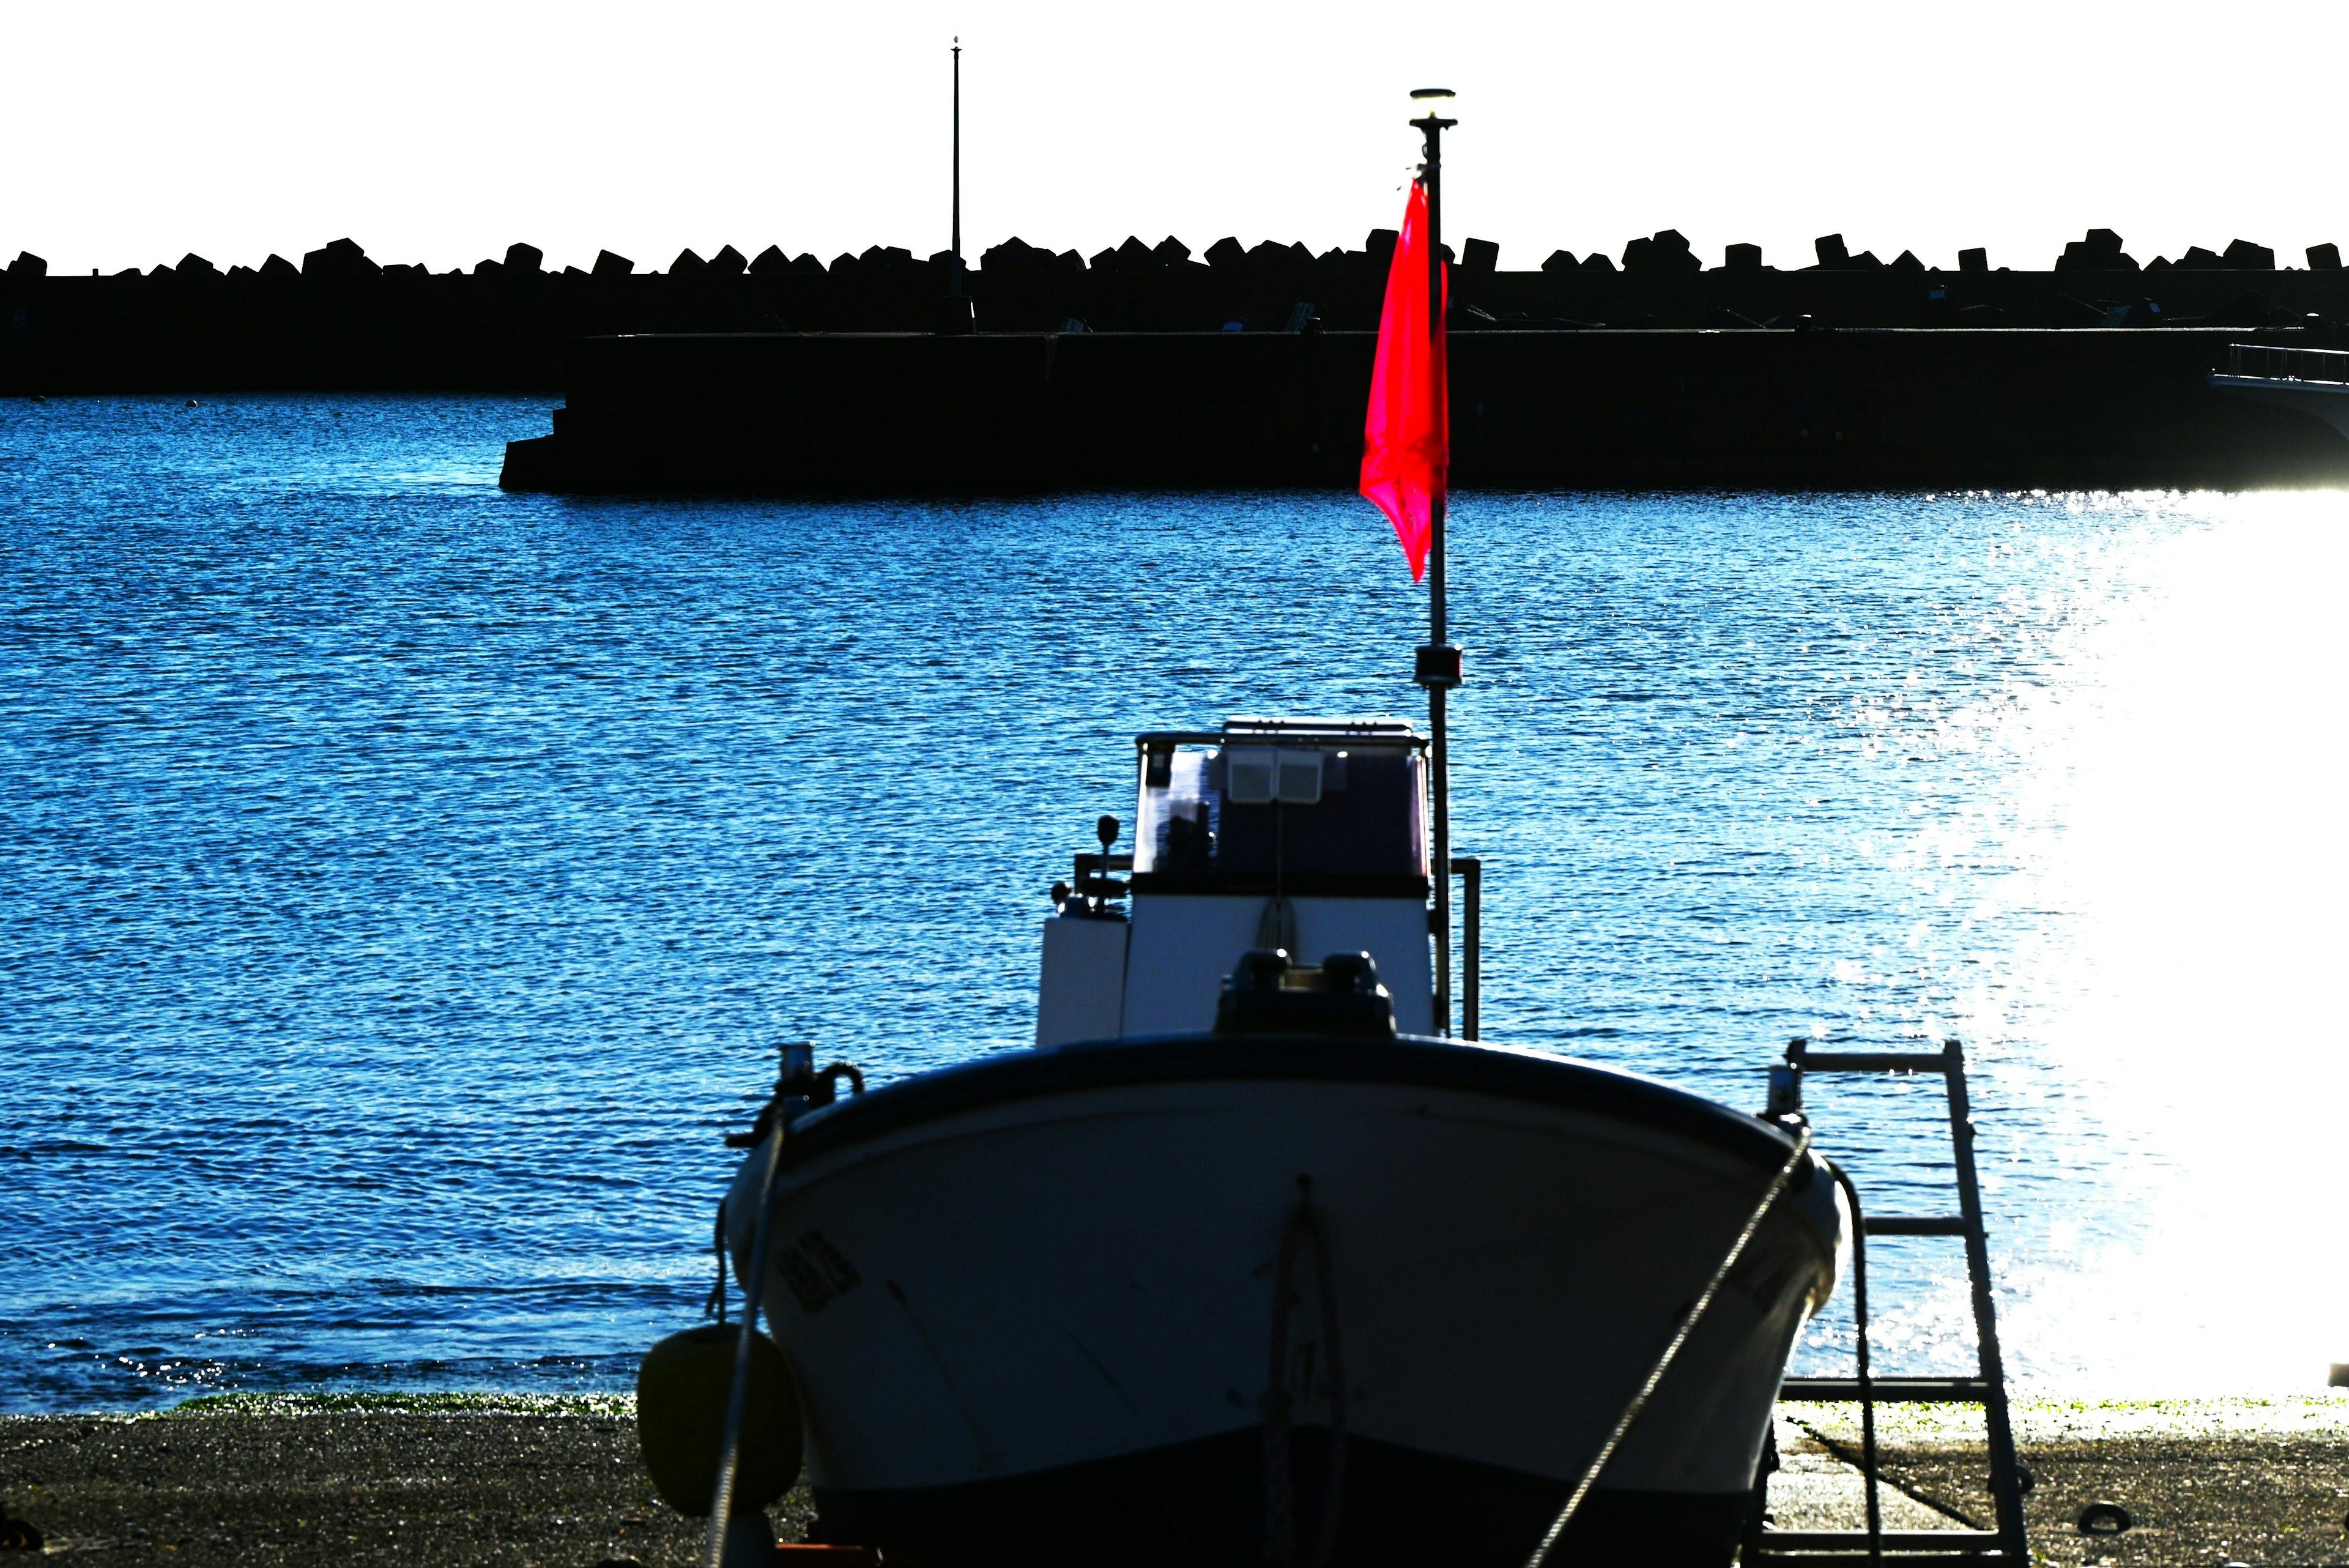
{"x": 2326, "y": 400}
{"x": 1162, "y": 971}
{"x": 1062, "y": 1264}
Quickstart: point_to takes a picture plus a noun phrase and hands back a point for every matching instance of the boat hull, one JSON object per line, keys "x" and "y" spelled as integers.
{"x": 1086, "y": 1303}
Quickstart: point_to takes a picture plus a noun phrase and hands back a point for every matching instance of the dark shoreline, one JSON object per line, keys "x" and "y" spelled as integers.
{"x": 557, "y": 1483}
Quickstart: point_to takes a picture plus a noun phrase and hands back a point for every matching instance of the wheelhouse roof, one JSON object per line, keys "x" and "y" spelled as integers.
{"x": 1380, "y": 730}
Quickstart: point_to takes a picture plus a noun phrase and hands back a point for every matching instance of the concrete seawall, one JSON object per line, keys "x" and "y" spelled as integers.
{"x": 911, "y": 413}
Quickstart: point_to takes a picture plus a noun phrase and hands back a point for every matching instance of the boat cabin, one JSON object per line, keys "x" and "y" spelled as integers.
{"x": 1307, "y": 835}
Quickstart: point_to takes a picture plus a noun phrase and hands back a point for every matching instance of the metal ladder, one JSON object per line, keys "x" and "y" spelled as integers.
{"x": 2005, "y": 1544}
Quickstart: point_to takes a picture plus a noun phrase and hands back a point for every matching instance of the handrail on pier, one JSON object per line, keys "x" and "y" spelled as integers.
{"x": 2267, "y": 362}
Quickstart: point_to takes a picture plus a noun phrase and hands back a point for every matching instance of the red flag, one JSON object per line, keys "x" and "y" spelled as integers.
{"x": 1407, "y": 439}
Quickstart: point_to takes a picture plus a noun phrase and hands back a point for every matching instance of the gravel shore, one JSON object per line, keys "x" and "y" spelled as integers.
{"x": 453, "y": 1483}
{"x": 2204, "y": 1481}
{"x": 434, "y": 1483}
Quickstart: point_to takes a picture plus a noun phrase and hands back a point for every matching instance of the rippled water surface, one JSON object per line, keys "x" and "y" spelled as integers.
{"x": 407, "y": 883}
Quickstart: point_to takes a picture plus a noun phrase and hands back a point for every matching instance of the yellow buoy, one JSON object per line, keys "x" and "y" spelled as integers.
{"x": 682, "y": 1390}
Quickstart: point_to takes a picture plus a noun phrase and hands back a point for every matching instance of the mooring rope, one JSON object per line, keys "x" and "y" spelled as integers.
{"x": 737, "y": 1402}
{"x": 1280, "y": 1491}
{"x": 716, "y": 1306}
{"x": 1664, "y": 1362}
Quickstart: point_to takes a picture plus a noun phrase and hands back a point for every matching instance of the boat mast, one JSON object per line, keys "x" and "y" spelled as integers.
{"x": 1439, "y": 661}
{"x": 954, "y": 276}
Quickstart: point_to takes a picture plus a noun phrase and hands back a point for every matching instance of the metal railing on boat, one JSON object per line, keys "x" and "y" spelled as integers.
{"x": 1471, "y": 872}
{"x": 2006, "y": 1541}
{"x": 2267, "y": 362}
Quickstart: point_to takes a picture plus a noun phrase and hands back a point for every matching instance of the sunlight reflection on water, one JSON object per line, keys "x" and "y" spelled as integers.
{"x": 2195, "y": 829}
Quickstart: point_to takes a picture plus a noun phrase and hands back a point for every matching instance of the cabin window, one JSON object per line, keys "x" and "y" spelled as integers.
{"x": 1175, "y": 828}
{"x": 1262, "y": 812}
{"x": 1260, "y": 775}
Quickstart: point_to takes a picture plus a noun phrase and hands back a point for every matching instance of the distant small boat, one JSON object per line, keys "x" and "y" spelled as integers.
{"x": 2312, "y": 380}
{"x": 1253, "y": 1276}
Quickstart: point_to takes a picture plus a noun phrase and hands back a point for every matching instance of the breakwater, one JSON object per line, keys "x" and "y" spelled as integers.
{"x": 1011, "y": 412}
{"x": 340, "y": 321}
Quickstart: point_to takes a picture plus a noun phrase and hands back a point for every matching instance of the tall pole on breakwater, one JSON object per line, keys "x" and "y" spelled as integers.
{"x": 1439, "y": 661}
{"x": 953, "y": 283}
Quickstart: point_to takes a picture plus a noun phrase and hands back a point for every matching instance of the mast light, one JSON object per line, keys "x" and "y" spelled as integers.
{"x": 1434, "y": 104}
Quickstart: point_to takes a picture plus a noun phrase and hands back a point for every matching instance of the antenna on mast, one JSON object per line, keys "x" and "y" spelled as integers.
{"x": 954, "y": 281}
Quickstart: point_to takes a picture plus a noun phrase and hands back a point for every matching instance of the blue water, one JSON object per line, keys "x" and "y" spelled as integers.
{"x": 407, "y": 883}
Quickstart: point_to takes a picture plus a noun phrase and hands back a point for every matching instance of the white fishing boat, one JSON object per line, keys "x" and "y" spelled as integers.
{"x": 2313, "y": 381}
{"x": 1248, "y": 1261}
{"x": 1230, "y": 1265}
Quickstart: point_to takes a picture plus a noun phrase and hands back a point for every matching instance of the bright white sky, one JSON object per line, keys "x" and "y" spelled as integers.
{"x": 439, "y": 131}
